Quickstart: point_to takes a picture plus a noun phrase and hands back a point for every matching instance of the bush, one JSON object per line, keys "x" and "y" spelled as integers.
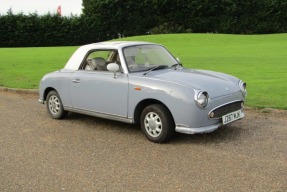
{"x": 109, "y": 19}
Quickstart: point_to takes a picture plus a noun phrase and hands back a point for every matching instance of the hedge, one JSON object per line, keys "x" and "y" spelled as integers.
{"x": 107, "y": 19}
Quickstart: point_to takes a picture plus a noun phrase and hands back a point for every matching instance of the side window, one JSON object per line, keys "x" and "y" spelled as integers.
{"x": 104, "y": 54}
{"x": 114, "y": 58}
{"x": 97, "y": 60}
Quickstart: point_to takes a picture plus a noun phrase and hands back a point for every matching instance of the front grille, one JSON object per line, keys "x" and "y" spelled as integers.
{"x": 225, "y": 109}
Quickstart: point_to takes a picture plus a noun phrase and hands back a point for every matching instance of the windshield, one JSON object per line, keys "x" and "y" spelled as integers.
{"x": 144, "y": 57}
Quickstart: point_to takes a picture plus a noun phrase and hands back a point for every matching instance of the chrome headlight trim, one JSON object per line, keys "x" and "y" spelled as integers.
{"x": 201, "y": 99}
{"x": 242, "y": 87}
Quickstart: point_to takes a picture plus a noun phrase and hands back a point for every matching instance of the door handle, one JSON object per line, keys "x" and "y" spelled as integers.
{"x": 76, "y": 81}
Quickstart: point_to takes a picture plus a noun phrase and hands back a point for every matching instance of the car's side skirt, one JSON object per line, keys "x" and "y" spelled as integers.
{"x": 98, "y": 114}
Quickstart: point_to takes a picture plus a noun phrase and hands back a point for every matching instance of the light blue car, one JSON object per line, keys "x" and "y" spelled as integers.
{"x": 140, "y": 82}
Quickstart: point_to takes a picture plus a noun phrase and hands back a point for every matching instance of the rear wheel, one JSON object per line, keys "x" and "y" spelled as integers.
{"x": 157, "y": 123}
{"x": 54, "y": 105}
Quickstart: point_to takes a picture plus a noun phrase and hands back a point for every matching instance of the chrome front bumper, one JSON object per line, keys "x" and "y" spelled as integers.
{"x": 190, "y": 130}
{"x": 41, "y": 101}
{"x": 205, "y": 129}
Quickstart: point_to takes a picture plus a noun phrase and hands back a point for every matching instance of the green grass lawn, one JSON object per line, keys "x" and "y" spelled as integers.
{"x": 24, "y": 67}
{"x": 260, "y": 60}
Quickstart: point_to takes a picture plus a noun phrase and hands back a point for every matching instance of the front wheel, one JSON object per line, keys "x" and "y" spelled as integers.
{"x": 157, "y": 123}
{"x": 55, "y": 106}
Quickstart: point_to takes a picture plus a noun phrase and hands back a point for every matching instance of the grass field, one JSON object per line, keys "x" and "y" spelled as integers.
{"x": 260, "y": 60}
{"x": 24, "y": 67}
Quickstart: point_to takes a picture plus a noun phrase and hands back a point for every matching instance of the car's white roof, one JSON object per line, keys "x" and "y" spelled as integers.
{"x": 77, "y": 57}
{"x": 114, "y": 44}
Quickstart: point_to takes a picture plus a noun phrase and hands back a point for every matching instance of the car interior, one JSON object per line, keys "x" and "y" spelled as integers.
{"x": 96, "y": 62}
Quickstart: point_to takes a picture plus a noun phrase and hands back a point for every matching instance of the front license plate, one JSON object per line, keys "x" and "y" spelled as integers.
{"x": 231, "y": 117}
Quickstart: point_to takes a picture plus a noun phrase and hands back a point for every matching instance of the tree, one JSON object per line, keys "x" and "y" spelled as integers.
{"x": 114, "y": 17}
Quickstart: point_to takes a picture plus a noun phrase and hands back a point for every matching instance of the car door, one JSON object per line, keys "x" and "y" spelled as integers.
{"x": 95, "y": 89}
{"x": 99, "y": 91}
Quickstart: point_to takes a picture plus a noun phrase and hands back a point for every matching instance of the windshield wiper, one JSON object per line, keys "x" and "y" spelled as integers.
{"x": 154, "y": 68}
{"x": 176, "y": 65}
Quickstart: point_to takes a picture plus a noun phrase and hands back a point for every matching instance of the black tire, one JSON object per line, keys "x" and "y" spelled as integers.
{"x": 157, "y": 123}
{"x": 54, "y": 105}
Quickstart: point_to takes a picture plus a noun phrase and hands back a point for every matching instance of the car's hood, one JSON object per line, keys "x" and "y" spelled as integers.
{"x": 216, "y": 84}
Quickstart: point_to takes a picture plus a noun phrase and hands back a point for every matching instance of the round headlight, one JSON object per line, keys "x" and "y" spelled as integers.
{"x": 242, "y": 87}
{"x": 202, "y": 99}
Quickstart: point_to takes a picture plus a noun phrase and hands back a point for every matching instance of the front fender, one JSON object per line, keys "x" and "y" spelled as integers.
{"x": 58, "y": 81}
{"x": 177, "y": 98}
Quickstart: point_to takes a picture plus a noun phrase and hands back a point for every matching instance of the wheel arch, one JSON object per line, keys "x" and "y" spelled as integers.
{"x": 144, "y": 103}
{"x": 47, "y": 90}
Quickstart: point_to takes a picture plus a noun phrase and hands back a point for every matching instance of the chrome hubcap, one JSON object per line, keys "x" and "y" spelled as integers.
{"x": 54, "y": 104}
{"x": 153, "y": 124}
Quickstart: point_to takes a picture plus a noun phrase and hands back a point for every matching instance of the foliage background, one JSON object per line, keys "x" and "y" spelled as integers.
{"x": 108, "y": 19}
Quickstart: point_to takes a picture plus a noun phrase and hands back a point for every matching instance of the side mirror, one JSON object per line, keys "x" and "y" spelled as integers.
{"x": 113, "y": 67}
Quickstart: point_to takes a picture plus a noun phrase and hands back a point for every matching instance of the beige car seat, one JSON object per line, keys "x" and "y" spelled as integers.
{"x": 97, "y": 63}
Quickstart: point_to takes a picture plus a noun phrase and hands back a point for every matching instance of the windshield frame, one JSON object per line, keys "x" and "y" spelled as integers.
{"x": 130, "y": 58}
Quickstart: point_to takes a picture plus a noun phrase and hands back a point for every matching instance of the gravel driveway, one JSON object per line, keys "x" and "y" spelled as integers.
{"x": 82, "y": 153}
